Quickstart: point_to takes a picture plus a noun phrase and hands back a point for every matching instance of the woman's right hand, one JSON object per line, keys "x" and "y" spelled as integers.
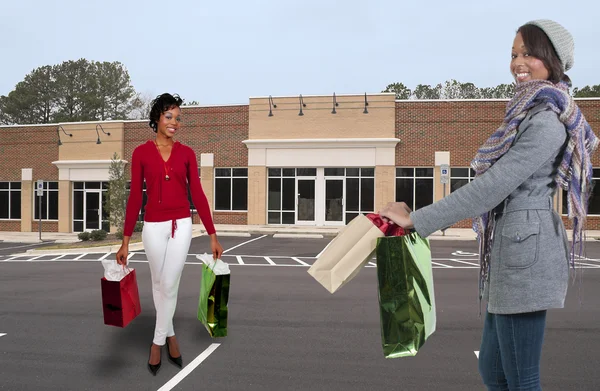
{"x": 122, "y": 254}
{"x": 399, "y": 213}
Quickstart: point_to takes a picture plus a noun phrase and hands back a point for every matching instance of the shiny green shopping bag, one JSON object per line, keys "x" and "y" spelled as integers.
{"x": 214, "y": 295}
{"x": 406, "y": 297}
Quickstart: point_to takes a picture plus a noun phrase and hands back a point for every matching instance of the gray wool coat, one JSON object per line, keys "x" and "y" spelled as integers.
{"x": 529, "y": 268}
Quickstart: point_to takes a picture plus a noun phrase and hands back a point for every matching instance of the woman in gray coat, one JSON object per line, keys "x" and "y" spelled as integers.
{"x": 543, "y": 143}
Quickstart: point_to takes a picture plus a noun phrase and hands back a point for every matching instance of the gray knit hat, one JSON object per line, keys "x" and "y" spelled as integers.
{"x": 561, "y": 39}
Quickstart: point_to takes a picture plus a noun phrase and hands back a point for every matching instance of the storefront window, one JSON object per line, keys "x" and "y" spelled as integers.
{"x": 89, "y": 209}
{"x": 281, "y": 201}
{"x": 231, "y": 189}
{"x": 360, "y": 192}
{"x": 414, "y": 186}
{"x": 594, "y": 205}
{"x": 460, "y": 177}
{"x": 49, "y": 202}
{"x": 10, "y": 200}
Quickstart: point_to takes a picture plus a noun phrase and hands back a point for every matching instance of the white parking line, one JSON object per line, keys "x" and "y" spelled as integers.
{"x": 464, "y": 254}
{"x": 241, "y": 244}
{"x": 189, "y": 368}
{"x": 104, "y": 256}
{"x": 586, "y": 259}
{"x": 477, "y": 354}
{"x": 596, "y": 266}
{"x": 270, "y": 260}
{"x": 300, "y": 262}
{"x": 465, "y": 262}
{"x": 2, "y": 334}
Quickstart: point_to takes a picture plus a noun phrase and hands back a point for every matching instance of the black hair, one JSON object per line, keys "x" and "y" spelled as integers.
{"x": 161, "y": 104}
{"x": 539, "y": 46}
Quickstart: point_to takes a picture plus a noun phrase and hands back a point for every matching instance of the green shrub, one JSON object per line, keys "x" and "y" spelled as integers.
{"x": 139, "y": 226}
{"x": 98, "y": 234}
{"x": 84, "y": 236}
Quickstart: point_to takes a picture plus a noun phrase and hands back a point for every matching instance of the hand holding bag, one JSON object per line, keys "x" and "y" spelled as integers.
{"x": 214, "y": 295}
{"x": 350, "y": 250}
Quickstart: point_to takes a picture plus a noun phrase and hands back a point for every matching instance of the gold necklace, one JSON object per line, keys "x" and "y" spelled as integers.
{"x": 165, "y": 165}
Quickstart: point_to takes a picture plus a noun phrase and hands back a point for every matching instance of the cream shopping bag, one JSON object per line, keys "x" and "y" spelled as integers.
{"x": 347, "y": 253}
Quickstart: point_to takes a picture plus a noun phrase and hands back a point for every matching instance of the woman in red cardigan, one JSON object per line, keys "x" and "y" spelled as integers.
{"x": 168, "y": 167}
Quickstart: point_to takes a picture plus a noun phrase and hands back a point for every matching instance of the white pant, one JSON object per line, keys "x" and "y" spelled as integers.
{"x": 166, "y": 257}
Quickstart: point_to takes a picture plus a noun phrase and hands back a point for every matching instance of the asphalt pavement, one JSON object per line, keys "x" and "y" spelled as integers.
{"x": 286, "y": 332}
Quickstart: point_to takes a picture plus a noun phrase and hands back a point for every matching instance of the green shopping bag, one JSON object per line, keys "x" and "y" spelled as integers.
{"x": 214, "y": 295}
{"x": 406, "y": 297}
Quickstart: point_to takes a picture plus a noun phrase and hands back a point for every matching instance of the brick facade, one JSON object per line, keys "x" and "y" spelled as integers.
{"x": 10, "y": 225}
{"x": 234, "y": 218}
{"x": 425, "y": 127}
{"x": 33, "y": 147}
{"x": 47, "y": 226}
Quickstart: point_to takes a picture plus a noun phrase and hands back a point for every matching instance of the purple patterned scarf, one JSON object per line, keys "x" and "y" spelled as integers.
{"x": 574, "y": 172}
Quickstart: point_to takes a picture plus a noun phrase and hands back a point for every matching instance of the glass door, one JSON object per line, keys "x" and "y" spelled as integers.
{"x": 334, "y": 201}
{"x": 305, "y": 201}
{"x": 93, "y": 210}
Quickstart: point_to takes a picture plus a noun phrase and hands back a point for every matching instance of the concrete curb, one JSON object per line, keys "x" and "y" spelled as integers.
{"x": 81, "y": 250}
{"x": 235, "y": 234}
{"x": 277, "y": 232}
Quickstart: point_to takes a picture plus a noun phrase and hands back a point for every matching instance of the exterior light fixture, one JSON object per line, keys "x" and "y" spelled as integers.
{"x": 58, "y": 134}
{"x": 272, "y": 106}
{"x": 302, "y": 104}
{"x": 335, "y": 104}
{"x": 98, "y": 134}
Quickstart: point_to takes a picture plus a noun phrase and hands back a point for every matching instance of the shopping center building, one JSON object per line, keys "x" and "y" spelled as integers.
{"x": 303, "y": 160}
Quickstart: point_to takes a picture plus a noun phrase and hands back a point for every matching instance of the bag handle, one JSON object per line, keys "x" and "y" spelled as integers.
{"x": 126, "y": 267}
{"x": 213, "y": 267}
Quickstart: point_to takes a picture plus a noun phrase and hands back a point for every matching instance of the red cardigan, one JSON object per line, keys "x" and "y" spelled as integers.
{"x": 167, "y": 200}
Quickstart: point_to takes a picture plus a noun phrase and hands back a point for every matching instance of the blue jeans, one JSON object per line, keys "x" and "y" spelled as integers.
{"x": 511, "y": 349}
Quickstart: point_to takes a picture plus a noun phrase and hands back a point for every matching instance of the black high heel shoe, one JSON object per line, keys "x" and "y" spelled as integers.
{"x": 153, "y": 368}
{"x": 175, "y": 360}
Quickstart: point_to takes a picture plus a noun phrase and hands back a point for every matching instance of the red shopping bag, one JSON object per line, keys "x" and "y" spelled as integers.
{"x": 120, "y": 300}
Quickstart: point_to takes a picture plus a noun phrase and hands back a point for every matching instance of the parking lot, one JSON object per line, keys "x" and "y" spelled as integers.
{"x": 286, "y": 332}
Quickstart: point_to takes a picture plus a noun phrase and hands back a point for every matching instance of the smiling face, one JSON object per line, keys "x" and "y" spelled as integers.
{"x": 169, "y": 122}
{"x": 523, "y": 66}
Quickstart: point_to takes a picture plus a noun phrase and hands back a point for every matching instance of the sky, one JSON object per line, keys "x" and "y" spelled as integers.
{"x": 224, "y": 52}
